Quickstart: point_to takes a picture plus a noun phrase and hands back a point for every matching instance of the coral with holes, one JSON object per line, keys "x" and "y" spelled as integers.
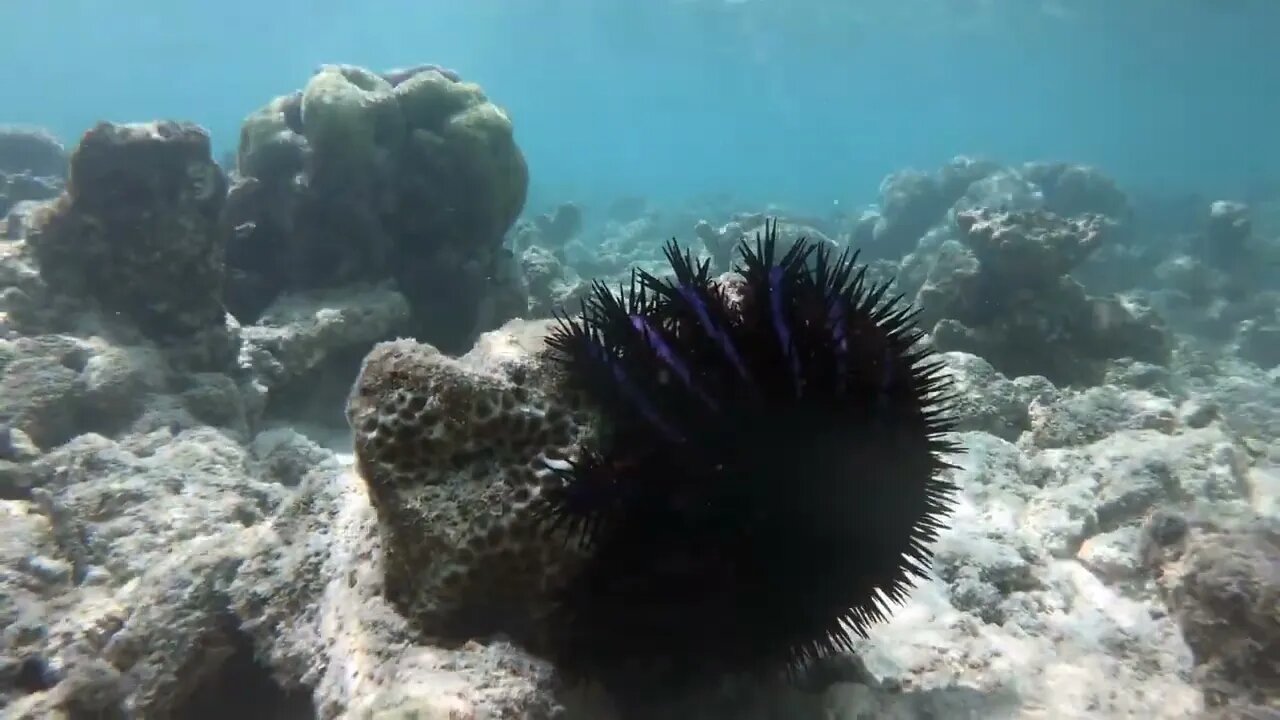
{"x": 137, "y": 229}
{"x": 1006, "y": 296}
{"x": 450, "y": 449}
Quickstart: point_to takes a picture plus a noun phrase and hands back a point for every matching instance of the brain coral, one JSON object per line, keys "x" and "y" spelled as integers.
{"x": 413, "y": 175}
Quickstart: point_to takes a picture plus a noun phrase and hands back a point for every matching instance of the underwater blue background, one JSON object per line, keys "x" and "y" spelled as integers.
{"x": 800, "y": 102}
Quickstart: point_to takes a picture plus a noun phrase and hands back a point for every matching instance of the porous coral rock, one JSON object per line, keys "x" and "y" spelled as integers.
{"x": 452, "y": 450}
{"x": 145, "y": 574}
{"x": 313, "y": 595}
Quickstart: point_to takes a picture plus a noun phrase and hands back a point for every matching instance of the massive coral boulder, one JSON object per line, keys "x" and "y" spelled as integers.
{"x": 412, "y": 175}
{"x": 137, "y": 229}
{"x": 1006, "y": 295}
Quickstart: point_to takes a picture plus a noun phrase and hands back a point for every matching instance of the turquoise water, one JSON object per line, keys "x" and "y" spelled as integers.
{"x": 799, "y": 102}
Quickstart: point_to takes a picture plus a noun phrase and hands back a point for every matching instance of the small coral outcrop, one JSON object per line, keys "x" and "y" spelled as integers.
{"x": 412, "y": 175}
{"x": 451, "y": 450}
{"x": 137, "y": 229}
{"x": 1221, "y": 582}
{"x": 33, "y": 166}
{"x": 913, "y": 202}
{"x": 1007, "y": 297}
{"x": 549, "y": 230}
{"x": 1071, "y": 189}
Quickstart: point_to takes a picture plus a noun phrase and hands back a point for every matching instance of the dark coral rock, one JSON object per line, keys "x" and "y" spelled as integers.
{"x": 1226, "y": 235}
{"x": 1031, "y": 248}
{"x": 560, "y": 225}
{"x": 1259, "y": 341}
{"x": 137, "y": 228}
{"x": 1222, "y": 585}
{"x": 1074, "y": 189}
{"x": 911, "y": 202}
{"x": 33, "y": 165}
{"x": 1009, "y": 299}
{"x": 31, "y": 150}
{"x": 414, "y": 176}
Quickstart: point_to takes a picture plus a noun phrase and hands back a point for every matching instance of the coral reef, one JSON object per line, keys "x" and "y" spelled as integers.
{"x": 1007, "y": 297}
{"x": 137, "y": 230}
{"x": 550, "y": 230}
{"x": 1077, "y": 189}
{"x": 413, "y": 176}
{"x": 912, "y": 202}
{"x": 551, "y": 285}
{"x": 299, "y": 357}
{"x": 1220, "y": 284}
{"x": 33, "y": 166}
{"x": 197, "y": 565}
{"x": 1226, "y": 235}
{"x": 184, "y": 531}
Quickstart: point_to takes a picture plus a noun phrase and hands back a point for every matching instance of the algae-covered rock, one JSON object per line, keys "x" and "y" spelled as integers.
{"x": 344, "y": 111}
{"x": 137, "y": 230}
{"x": 429, "y": 99}
{"x": 412, "y": 176}
{"x": 271, "y": 140}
